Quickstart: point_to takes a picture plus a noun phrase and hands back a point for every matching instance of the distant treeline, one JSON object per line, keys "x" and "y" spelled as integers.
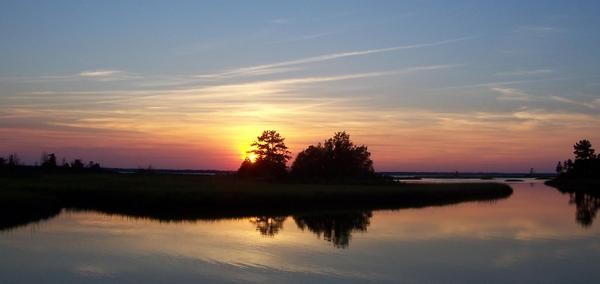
{"x": 48, "y": 163}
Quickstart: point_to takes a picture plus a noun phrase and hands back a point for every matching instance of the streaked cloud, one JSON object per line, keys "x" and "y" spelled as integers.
{"x": 93, "y": 75}
{"x": 594, "y": 104}
{"x": 537, "y": 29}
{"x": 525, "y": 72}
{"x": 511, "y": 94}
{"x": 249, "y": 71}
{"x": 281, "y": 21}
{"x": 303, "y": 37}
{"x": 99, "y": 73}
{"x": 503, "y": 83}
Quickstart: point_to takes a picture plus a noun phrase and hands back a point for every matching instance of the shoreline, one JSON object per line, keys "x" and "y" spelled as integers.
{"x": 575, "y": 184}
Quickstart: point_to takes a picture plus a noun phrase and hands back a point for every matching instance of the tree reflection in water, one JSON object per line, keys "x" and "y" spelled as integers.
{"x": 267, "y": 225}
{"x": 587, "y": 205}
{"x": 336, "y": 228}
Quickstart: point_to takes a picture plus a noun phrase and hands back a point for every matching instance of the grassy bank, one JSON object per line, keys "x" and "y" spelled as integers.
{"x": 186, "y": 197}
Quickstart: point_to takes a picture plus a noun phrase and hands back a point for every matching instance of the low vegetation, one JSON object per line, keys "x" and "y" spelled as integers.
{"x": 187, "y": 197}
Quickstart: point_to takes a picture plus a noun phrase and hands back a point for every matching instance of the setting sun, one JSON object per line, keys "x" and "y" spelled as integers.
{"x": 252, "y": 157}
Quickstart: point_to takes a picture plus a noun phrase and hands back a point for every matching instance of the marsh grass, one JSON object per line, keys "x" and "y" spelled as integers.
{"x": 186, "y": 197}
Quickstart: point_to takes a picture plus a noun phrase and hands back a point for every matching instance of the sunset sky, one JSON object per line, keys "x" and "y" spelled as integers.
{"x": 426, "y": 85}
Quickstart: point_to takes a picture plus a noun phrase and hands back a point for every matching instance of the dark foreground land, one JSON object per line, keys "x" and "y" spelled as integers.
{"x": 185, "y": 197}
{"x": 576, "y": 184}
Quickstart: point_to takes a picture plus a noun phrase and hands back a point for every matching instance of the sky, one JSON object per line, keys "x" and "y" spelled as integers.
{"x": 474, "y": 86}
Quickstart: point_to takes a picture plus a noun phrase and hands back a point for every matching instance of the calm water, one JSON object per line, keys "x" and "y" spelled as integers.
{"x": 536, "y": 235}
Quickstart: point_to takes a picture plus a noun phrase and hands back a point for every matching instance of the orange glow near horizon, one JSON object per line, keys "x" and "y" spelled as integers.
{"x": 476, "y": 146}
{"x": 219, "y": 135}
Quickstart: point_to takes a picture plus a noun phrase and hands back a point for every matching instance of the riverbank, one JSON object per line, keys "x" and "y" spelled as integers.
{"x": 182, "y": 197}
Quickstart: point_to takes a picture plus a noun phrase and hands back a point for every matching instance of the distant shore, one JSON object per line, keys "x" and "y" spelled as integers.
{"x": 171, "y": 197}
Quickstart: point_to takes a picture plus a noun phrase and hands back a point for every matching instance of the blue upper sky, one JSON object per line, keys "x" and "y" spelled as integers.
{"x": 471, "y": 69}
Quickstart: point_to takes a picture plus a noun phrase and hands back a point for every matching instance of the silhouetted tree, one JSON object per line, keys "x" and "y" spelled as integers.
{"x": 48, "y": 161}
{"x": 77, "y": 164}
{"x": 271, "y": 157}
{"x": 313, "y": 162}
{"x": 247, "y": 168}
{"x": 65, "y": 164}
{"x": 13, "y": 160}
{"x": 270, "y": 147}
{"x": 338, "y": 157}
{"x": 559, "y": 168}
{"x": 93, "y": 166}
{"x": 583, "y": 150}
{"x": 568, "y": 165}
{"x": 2, "y": 162}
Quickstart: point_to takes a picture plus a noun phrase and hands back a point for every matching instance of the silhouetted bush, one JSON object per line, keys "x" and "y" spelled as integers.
{"x": 337, "y": 158}
{"x": 77, "y": 164}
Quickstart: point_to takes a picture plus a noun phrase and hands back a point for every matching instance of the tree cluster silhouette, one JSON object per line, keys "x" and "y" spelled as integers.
{"x": 336, "y": 158}
{"x": 585, "y": 165}
{"x": 48, "y": 163}
{"x": 10, "y": 164}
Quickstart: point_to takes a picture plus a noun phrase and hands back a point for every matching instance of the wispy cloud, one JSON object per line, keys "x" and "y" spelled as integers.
{"x": 595, "y": 104}
{"x": 537, "y": 29}
{"x": 303, "y": 37}
{"x": 525, "y": 72}
{"x": 281, "y": 21}
{"x": 511, "y": 94}
{"x": 261, "y": 89}
{"x": 95, "y": 75}
{"x": 99, "y": 73}
{"x": 502, "y": 83}
{"x": 246, "y": 71}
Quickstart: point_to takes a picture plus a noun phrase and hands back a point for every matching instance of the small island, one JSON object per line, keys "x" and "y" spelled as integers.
{"x": 333, "y": 176}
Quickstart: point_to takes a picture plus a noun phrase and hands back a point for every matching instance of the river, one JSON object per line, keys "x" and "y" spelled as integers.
{"x": 538, "y": 234}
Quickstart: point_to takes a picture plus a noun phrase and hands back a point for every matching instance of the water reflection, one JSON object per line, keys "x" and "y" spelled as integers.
{"x": 336, "y": 228}
{"x": 587, "y": 205}
{"x": 531, "y": 237}
{"x": 11, "y": 218}
{"x": 268, "y": 226}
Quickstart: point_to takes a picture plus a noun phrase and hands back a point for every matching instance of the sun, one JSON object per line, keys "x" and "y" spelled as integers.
{"x": 252, "y": 157}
